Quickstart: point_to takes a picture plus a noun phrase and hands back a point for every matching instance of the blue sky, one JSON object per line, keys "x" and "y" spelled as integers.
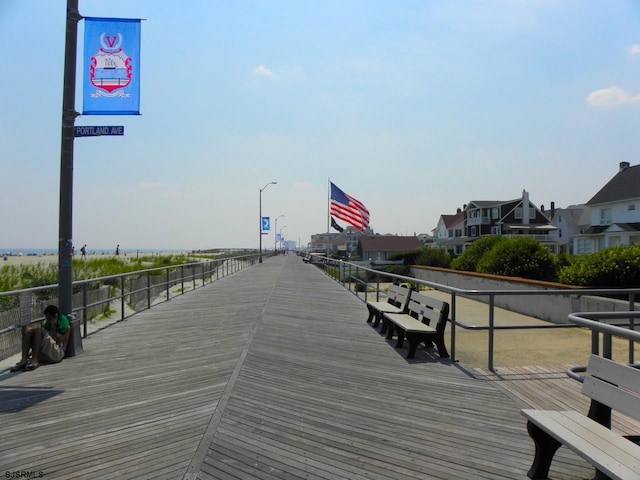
{"x": 413, "y": 107}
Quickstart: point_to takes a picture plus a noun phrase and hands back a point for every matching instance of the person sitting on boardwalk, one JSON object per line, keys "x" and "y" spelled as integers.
{"x": 46, "y": 343}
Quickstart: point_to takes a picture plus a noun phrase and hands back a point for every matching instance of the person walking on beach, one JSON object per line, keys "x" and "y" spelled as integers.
{"x": 46, "y": 343}
{"x": 83, "y": 251}
{"x": 118, "y": 250}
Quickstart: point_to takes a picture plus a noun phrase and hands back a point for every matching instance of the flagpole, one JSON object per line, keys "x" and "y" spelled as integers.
{"x": 328, "y": 210}
{"x": 328, "y": 203}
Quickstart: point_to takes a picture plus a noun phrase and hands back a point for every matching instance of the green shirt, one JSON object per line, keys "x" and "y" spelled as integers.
{"x": 63, "y": 325}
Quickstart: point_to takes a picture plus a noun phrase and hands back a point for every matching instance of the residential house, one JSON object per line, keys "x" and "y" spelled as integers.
{"x": 570, "y": 222}
{"x": 425, "y": 238}
{"x": 337, "y": 242}
{"x": 615, "y": 213}
{"x": 449, "y": 234}
{"x": 331, "y": 242}
{"x": 381, "y": 247}
{"x": 511, "y": 218}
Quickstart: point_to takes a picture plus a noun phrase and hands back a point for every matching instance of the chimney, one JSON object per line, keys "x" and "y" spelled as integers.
{"x": 553, "y": 208}
{"x": 458, "y": 210}
{"x": 624, "y": 166}
{"x": 525, "y": 207}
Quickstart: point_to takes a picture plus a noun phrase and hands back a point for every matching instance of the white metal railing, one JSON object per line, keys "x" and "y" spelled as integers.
{"x": 593, "y": 321}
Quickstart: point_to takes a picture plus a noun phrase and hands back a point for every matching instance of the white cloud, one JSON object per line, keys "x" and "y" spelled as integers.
{"x": 634, "y": 49}
{"x": 611, "y": 97}
{"x": 263, "y": 71}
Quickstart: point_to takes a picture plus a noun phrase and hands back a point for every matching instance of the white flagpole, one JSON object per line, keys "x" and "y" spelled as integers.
{"x": 328, "y": 204}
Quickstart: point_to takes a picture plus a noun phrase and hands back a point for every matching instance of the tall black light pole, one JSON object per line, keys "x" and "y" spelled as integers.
{"x": 69, "y": 114}
{"x": 270, "y": 183}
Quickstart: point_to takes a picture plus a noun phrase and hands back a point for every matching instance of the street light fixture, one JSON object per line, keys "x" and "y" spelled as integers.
{"x": 260, "y": 219}
{"x": 275, "y": 230}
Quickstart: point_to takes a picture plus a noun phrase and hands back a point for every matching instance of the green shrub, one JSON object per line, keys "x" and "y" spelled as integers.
{"x": 617, "y": 267}
{"x": 519, "y": 257}
{"x": 403, "y": 270}
{"x": 433, "y": 257}
{"x": 408, "y": 258}
{"x": 472, "y": 255}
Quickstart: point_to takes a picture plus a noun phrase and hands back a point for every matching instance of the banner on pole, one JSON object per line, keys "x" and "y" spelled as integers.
{"x": 111, "y": 77}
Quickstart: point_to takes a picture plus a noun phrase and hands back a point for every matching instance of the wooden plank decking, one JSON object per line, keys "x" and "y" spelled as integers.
{"x": 271, "y": 373}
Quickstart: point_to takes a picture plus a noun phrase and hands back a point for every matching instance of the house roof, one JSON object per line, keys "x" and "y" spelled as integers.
{"x": 573, "y": 215}
{"x": 389, "y": 243}
{"x": 624, "y": 186}
{"x": 629, "y": 227}
{"x": 625, "y": 227}
{"x": 452, "y": 220}
{"x": 489, "y": 203}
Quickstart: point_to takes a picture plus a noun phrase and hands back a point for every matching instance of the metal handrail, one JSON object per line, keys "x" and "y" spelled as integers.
{"x": 342, "y": 269}
{"x": 591, "y": 320}
{"x": 195, "y": 272}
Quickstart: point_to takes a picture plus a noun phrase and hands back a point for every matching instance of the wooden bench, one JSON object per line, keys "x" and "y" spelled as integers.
{"x": 397, "y": 298}
{"x": 610, "y": 385}
{"x": 424, "y": 321}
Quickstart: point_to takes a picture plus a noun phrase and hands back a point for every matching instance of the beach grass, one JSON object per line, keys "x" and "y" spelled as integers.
{"x": 41, "y": 273}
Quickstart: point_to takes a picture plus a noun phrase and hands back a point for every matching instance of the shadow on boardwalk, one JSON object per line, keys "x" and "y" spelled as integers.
{"x": 270, "y": 373}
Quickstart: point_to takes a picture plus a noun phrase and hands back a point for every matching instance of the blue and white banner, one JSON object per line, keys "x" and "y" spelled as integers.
{"x": 111, "y": 74}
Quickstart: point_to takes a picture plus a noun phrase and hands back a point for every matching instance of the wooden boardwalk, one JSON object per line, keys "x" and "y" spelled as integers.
{"x": 271, "y": 373}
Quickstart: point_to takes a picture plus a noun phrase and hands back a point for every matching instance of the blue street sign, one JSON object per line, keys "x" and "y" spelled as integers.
{"x": 97, "y": 131}
{"x": 266, "y": 223}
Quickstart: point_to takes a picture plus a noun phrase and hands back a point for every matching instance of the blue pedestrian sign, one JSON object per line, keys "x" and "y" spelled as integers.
{"x": 266, "y": 224}
{"x": 98, "y": 131}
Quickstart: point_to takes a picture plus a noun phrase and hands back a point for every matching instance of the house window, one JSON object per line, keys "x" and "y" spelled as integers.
{"x": 518, "y": 212}
{"x": 495, "y": 213}
{"x": 450, "y": 232}
{"x": 458, "y": 232}
{"x": 605, "y": 216}
{"x": 495, "y": 230}
{"x": 474, "y": 231}
{"x": 584, "y": 246}
{"x": 532, "y": 212}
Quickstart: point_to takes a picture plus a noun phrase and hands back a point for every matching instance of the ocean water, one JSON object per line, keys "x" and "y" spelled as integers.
{"x": 41, "y": 252}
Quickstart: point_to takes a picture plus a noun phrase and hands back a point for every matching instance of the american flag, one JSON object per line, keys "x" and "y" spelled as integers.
{"x": 346, "y": 208}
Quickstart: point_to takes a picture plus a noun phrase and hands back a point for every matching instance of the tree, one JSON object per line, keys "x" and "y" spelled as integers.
{"x": 472, "y": 255}
{"x": 519, "y": 257}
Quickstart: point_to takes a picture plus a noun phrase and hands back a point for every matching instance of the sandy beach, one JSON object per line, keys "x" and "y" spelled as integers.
{"x": 27, "y": 259}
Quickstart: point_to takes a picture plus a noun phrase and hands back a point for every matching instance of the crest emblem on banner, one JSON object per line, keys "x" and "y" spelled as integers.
{"x": 111, "y": 69}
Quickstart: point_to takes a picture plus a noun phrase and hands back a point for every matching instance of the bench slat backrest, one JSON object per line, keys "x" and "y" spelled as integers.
{"x": 429, "y": 310}
{"x": 398, "y": 296}
{"x": 613, "y": 384}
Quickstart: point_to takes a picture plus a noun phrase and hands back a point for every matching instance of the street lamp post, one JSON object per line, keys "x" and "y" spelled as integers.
{"x": 275, "y": 237}
{"x": 260, "y": 219}
{"x": 282, "y": 228}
